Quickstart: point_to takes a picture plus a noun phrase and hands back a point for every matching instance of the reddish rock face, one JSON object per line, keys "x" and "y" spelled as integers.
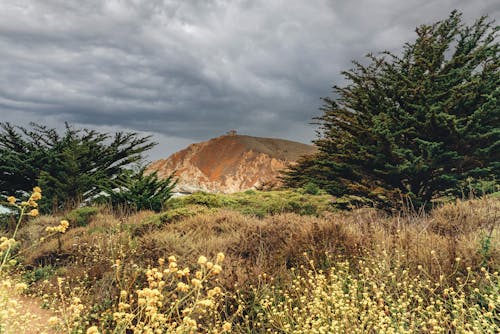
{"x": 231, "y": 163}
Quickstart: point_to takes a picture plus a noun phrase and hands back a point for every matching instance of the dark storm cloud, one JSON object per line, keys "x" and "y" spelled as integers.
{"x": 191, "y": 70}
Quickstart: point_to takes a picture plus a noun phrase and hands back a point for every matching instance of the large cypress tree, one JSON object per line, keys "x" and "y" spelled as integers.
{"x": 421, "y": 124}
{"x": 70, "y": 167}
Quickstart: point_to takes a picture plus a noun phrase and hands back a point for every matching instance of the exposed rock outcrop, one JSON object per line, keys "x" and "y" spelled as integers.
{"x": 231, "y": 163}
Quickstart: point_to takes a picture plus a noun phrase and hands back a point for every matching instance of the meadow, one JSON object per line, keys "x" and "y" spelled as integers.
{"x": 255, "y": 262}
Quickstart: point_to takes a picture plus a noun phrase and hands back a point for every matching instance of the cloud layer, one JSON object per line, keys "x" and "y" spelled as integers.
{"x": 191, "y": 70}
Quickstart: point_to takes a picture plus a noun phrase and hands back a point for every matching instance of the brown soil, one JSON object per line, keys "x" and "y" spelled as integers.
{"x": 39, "y": 317}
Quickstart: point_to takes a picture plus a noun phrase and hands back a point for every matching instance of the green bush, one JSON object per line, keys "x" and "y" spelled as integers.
{"x": 82, "y": 216}
{"x": 200, "y": 198}
{"x": 160, "y": 219}
{"x": 258, "y": 203}
{"x": 311, "y": 188}
{"x": 137, "y": 190}
{"x": 178, "y": 214}
{"x": 39, "y": 274}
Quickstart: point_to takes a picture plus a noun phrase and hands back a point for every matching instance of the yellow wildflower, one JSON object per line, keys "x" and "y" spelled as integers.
{"x": 196, "y": 283}
{"x": 11, "y": 200}
{"x": 202, "y": 260}
{"x": 93, "y": 330}
{"x": 220, "y": 257}
{"x": 20, "y": 287}
{"x": 216, "y": 269}
{"x": 64, "y": 224}
{"x": 226, "y": 327}
{"x": 206, "y": 303}
{"x": 33, "y": 213}
{"x": 182, "y": 287}
{"x": 53, "y": 321}
{"x": 213, "y": 292}
{"x": 172, "y": 266}
{"x": 37, "y": 189}
{"x": 183, "y": 272}
{"x": 190, "y": 322}
{"x": 36, "y": 196}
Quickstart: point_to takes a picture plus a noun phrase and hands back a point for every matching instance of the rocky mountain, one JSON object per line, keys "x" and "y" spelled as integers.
{"x": 230, "y": 163}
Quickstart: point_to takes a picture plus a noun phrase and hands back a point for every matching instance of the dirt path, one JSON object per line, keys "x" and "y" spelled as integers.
{"x": 27, "y": 316}
{"x": 41, "y": 316}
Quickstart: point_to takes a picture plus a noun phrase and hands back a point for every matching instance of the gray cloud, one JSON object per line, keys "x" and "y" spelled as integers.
{"x": 191, "y": 70}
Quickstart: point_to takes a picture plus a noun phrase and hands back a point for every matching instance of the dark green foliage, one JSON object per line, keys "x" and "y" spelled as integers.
{"x": 138, "y": 191}
{"x": 417, "y": 125}
{"x": 39, "y": 274}
{"x": 70, "y": 168}
{"x": 311, "y": 188}
{"x": 82, "y": 216}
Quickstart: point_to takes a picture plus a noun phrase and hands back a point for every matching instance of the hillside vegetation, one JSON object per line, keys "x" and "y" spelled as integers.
{"x": 283, "y": 269}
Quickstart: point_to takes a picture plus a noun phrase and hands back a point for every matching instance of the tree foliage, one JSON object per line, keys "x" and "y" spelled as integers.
{"x": 419, "y": 124}
{"x": 140, "y": 191}
{"x": 70, "y": 167}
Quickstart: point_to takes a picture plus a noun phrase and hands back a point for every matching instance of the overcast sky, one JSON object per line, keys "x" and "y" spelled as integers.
{"x": 187, "y": 71}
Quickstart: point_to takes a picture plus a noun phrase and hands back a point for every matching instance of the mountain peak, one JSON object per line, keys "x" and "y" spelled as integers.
{"x": 231, "y": 163}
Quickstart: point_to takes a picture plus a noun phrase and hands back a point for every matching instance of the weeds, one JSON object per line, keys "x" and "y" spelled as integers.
{"x": 430, "y": 272}
{"x": 377, "y": 298}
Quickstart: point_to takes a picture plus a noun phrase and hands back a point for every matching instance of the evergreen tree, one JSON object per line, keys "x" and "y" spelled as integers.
{"x": 140, "y": 191}
{"x": 70, "y": 168}
{"x": 419, "y": 125}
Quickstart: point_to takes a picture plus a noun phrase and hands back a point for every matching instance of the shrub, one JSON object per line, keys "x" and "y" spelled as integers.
{"x": 159, "y": 220}
{"x": 138, "y": 191}
{"x": 311, "y": 188}
{"x": 200, "y": 198}
{"x": 259, "y": 203}
{"x": 82, "y": 216}
{"x": 39, "y": 274}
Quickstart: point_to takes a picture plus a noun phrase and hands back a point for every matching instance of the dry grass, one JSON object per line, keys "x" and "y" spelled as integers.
{"x": 453, "y": 241}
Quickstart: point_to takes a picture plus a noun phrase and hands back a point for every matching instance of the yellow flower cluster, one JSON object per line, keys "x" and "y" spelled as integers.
{"x": 6, "y": 243}
{"x": 175, "y": 301}
{"x": 92, "y": 330}
{"x": 36, "y": 195}
{"x": 61, "y": 228}
{"x": 378, "y": 299}
{"x": 70, "y": 310}
{"x": 12, "y": 200}
{"x": 20, "y": 287}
